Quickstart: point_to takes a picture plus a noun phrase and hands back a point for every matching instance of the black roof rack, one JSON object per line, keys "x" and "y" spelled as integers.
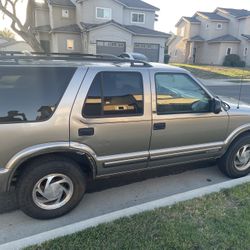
{"x": 14, "y": 57}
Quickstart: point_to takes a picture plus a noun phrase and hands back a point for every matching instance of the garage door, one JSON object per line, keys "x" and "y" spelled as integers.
{"x": 150, "y": 50}
{"x": 110, "y": 47}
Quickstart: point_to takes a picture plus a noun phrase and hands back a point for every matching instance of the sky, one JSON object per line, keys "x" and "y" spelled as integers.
{"x": 172, "y": 11}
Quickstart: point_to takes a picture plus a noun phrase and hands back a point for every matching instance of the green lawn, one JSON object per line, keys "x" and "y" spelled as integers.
{"x": 218, "y": 221}
{"x": 216, "y": 72}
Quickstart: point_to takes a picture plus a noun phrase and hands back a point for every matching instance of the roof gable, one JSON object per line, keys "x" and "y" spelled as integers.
{"x": 67, "y": 3}
{"x": 192, "y": 20}
{"x": 246, "y": 36}
{"x": 225, "y": 38}
{"x": 137, "y": 4}
{"x": 135, "y": 30}
{"x": 238, "y": 13}
{"x": 211, "y": 16}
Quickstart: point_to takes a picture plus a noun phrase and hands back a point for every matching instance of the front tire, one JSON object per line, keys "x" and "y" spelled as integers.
{"x": 50, "y": 187}
{"x": 236, "y": 162}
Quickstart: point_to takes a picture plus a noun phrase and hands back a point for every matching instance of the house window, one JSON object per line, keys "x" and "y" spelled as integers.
{"x": 176, "y": 53}
{"x": 219, "y": 26}
{"x": 103, "y": 13}
{"x": 70, "y": 44}
{"x": 229, "y": 51}
{"x": 65, "y": 13}
{"x": 207, "y": 26}
{"x": 245, "y": 52}
{"x": 137, "y": 18}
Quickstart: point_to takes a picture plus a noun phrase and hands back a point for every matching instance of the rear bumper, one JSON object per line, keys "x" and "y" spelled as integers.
{"x": 4, "y": 178}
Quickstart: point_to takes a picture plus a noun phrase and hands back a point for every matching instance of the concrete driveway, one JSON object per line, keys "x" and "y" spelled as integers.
{"x": 116, "y": 194}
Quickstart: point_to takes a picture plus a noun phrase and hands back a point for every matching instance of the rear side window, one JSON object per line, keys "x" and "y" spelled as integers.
{"x": 31, "y": 94}
{"x": 115, "y": 94}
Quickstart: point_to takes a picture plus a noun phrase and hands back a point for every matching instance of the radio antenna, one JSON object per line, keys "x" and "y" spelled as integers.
{"x": 241, "y": 86}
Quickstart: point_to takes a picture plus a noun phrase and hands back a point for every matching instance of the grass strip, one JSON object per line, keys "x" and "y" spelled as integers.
{"x": 217, "y": 221}
{"x": 216, "y": 72}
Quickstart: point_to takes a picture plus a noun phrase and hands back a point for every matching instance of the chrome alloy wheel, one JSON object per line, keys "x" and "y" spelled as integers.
{"x": 53, "y": 191}
{"x": 242, "y": 158}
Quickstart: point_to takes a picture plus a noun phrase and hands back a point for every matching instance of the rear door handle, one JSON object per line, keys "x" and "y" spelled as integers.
{"x": 160, "y": 126}
{"x": 86, "y": 132}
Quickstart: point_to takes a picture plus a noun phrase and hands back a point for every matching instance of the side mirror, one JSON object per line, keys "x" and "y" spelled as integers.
{"x": 216, "y": 106}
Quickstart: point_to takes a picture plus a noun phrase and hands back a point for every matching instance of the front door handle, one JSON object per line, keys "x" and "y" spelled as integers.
{"x": 160, "y": 126}
{"x": 86, "y": 131}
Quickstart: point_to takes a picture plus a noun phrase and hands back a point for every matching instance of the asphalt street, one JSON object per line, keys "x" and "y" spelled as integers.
{"x": 232, "y": 91}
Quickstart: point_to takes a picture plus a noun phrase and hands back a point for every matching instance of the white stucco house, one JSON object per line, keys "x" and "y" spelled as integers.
{"x": 207, "y": 37}
{"x": 99, "y": 26}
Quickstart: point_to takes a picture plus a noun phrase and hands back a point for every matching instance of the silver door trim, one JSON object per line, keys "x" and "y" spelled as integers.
{"x": 122, "y": 162}
{"x": 151, "y": 168}
{"x": 121, "y": 159}
{"x": 179, "y": 151}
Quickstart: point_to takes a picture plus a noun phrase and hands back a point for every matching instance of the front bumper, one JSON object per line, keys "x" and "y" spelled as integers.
{"x": 4, "y": 178}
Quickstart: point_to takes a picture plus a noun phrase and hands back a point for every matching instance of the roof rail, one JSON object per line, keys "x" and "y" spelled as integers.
{"x": 15, "y": 57}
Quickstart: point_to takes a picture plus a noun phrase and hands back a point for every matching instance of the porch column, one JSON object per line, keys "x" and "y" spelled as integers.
{"x": 191, "y": 53}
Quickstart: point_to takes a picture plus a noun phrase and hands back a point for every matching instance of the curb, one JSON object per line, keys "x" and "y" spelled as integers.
{"x": 80, "y": 226}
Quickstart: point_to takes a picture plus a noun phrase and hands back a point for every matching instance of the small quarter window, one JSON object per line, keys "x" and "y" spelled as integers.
{"x": 115, "y": 94}
{"x": 178, "y": 93}
{"x": 70, "y": 44}
{"x": 31, "y": 94}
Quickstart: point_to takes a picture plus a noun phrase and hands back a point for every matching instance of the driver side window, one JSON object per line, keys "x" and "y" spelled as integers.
{"x": 179, "y": 93}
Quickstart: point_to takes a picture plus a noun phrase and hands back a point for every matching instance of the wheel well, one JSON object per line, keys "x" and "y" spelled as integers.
{"x": 82, "y": 160}
{"x": 245, "y": 133}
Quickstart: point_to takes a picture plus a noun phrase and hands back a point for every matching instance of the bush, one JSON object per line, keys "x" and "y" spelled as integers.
{"x": 166, "y": 59}
{"x": 233, "y": 60}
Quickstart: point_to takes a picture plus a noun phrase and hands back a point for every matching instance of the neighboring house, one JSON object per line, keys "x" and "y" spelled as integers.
{"x": 207, "y": 37}
{"x": 99, "y": 26}
{"x": 7, "y": 44}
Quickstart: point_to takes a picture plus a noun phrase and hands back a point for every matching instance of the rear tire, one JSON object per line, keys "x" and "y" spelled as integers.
{"x": 50, "y": 187}
{"x": 236, "y": 162}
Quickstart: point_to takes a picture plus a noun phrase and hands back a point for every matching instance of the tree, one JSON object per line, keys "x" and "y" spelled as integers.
{"x": 6, "y": 33}
{"x": 23, "y": 29}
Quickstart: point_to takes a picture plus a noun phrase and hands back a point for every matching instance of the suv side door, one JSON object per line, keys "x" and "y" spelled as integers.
{"x": 184, "y": 126}
{"x": 112, "y": 118}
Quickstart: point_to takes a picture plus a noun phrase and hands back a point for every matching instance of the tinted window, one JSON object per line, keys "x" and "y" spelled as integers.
{"x": 115, "y": 94}
{"x": 178, "y": 93}
{"x": 93, "y": 104}
{"x": 31, "y": 94}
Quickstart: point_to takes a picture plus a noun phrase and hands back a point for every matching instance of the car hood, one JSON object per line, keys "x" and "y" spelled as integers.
{"x": 233, "y": 103}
